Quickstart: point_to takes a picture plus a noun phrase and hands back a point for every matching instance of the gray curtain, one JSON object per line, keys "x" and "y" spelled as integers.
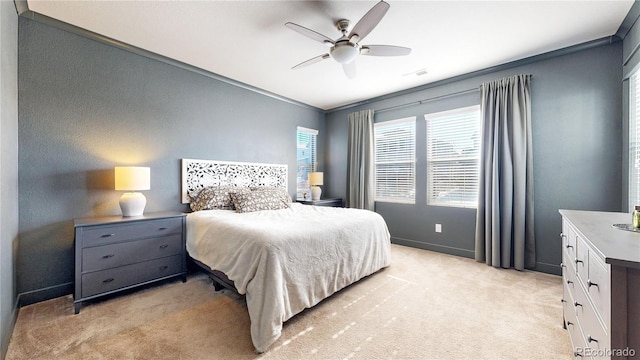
{"x": 361, "y": 165}
{"x": 504, "y": 222}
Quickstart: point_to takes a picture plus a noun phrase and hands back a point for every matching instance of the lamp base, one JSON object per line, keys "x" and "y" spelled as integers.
{"x": 132, "y": 204}
{"x": 315, "y": 192}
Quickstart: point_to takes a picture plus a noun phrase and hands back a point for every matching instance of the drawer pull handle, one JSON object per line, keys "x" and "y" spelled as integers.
{"x": 164, "y": 246}
{"x": 164, "y": 267}
{"x": 108, "y": 256}
{"x": 569, "y": 282}
{"x": 563, "y": 300}
{"x": 579, "y": 261}
{"x": 562, "y": 265}
{"x": 108, "y": 235}
{"x": 592, "y": 284}
{"x": 576, "y": 304}
{"x": 108, "y": 280}
{"x": 590, "y": 339}
{"x": 569, "y": 246}
{"x": 576, "y": 354}
{"x": 562, "y": 235}
{"x": 569, "y": 323}
{"x": 162, "y": 228}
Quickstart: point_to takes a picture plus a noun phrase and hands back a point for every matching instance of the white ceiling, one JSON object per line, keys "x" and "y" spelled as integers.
{"x": 248, "y": 42}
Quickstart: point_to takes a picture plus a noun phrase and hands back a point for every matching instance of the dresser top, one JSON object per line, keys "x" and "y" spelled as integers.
{"x": 102, "y": 220}
{"x": 615, "y": 246}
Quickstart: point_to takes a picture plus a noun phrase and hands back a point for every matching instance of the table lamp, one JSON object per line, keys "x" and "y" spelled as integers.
{"x": 315, "y": 179}
{"x": 132, "y": 178}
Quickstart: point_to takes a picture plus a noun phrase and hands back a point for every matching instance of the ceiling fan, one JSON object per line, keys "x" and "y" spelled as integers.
{"x": 347, "y": 47}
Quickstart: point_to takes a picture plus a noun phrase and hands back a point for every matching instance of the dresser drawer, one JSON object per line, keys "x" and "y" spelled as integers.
{"x": 571, "y": 322}
{"x": 569, "y": 239}
{"x": 109, "y": 234}
{"x": 582, "y": 260}
{"x": 599, "y": 288}
{"x": 114, "y": 255}
{"x": 568, "y": 261}
{"x": 595, "y": 336}
{"x": 107, "y": 280}
{"x": 569, "y": 281}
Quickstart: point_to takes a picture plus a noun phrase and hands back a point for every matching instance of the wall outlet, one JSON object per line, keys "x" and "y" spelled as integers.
{"x": 438, "y": 228}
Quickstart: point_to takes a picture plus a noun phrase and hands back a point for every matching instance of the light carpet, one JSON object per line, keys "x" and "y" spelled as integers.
{"x": 426, "y": 305}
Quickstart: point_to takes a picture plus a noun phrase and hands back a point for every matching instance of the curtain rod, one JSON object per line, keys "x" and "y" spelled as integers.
{"x": 420, "y": 102}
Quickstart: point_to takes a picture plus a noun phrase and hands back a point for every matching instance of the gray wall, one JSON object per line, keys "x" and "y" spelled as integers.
{"x": 577, "y": 130}
{"x": 86, "y": 106}
{"x": 8, "y": 170}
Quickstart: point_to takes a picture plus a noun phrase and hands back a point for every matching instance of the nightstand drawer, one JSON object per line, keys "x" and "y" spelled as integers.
{"x": 114, "y": 255}
{"x": 107, "y": 280}
{"x": 109, "y": 234}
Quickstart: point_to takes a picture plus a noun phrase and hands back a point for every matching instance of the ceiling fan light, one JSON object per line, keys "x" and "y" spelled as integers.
{"x": 344, "y": 53}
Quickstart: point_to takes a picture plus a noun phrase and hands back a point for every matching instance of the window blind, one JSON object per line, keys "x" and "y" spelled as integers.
{"x": 306, "y": 140}
{"x": 634, "y": 141}
{"x": 453, "y": 157}
{"x": 395, "y": 159}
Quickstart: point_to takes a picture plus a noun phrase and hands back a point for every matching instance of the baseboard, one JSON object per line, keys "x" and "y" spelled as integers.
{"x": 434, "y": 247}
{"x": 549, "y": 268}
{"x": 6, "y": 336}
{"x": 51, "y": 292}
{"x": 540, "y": 266}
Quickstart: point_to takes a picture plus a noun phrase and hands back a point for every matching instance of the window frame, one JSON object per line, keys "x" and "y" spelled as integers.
{"x": 302, "y": 179}
{"x": 403, "y": 124}
{"x": 634, "y": 141}
{"x": 455, "y": 163}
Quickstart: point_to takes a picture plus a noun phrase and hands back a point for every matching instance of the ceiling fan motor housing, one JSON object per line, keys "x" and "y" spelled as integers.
{"x": 343, "y": 26}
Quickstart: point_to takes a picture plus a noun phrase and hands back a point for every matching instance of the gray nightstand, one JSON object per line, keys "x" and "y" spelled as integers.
{"x": 321, "y": 202}
{"x": 115, "y": 253}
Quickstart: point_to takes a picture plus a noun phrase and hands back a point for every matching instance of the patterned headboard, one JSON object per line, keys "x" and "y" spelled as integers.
{"x": 197, "y": 174}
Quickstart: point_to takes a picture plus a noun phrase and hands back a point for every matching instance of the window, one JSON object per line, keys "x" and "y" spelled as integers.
{"x": 306, "y": 158}
{"x": 634, "y": 140}
{"x": 453, "y": 157}
{"x": 395, "y": 153}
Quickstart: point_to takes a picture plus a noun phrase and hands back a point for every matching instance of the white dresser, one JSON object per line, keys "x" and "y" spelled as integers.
{"x": 601, "y": 276}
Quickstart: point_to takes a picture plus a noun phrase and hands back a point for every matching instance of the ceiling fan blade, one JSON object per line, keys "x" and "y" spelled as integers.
{"x": 310, "y": 33}
{"x": 350, "y": 69}
{"x": 369, "y": 21}
{"x": 311, "y": 61}
{"x": 384, "y": 50}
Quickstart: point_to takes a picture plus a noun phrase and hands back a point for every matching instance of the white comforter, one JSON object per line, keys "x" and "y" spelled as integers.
{"x": 290, "y": 259}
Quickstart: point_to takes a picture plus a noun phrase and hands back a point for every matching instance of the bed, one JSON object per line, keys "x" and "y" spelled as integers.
{"x": 284, "y": 259}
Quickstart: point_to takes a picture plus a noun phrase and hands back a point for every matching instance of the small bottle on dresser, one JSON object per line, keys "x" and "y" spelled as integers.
{"x": 636, "y": 217}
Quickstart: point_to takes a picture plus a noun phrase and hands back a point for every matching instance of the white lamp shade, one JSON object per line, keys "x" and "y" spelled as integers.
{"x": 132, "y": 178}
{"x": 316, "y": 178}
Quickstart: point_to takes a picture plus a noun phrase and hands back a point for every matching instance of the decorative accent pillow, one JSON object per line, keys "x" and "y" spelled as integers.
{"x": 215, "y": 197}
{"x": 261, "y": 199}
{"x": 276, "y": 191}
